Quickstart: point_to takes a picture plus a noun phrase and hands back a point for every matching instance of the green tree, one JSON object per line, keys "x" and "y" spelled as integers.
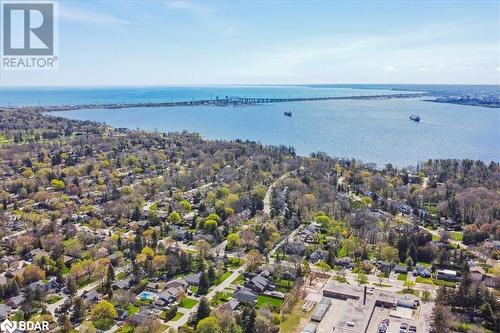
{"x": 78, "y": 310}
{"x": 174, "y": 218}
{"x": 104, "y": 310}
{"x": 208, "y": 325}
{"x": 233, "y": 240}
{"x": 362, "y": 278}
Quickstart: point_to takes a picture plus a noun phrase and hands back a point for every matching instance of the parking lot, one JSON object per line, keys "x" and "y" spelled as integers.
{"x": 420, "y": 320}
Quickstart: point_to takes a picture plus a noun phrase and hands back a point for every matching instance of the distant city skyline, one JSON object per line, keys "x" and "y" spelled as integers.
{"x": 182, "y": 42}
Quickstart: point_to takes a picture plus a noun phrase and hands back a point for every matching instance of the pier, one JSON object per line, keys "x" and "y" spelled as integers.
{"x": 227, "y": 101}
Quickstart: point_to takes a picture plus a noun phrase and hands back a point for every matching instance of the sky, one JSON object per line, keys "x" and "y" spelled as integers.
{"x": 184, "y": 42}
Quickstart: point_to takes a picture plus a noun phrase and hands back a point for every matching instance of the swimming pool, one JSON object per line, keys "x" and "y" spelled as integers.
{"x": 147, "y": 295}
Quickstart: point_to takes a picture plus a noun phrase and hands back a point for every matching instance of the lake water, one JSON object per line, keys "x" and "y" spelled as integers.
{"x": 370, "y": 130}
{"x": 66, "y": 96}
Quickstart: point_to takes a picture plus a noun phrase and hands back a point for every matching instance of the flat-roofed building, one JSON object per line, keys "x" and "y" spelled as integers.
{"x": 321, "y": 309}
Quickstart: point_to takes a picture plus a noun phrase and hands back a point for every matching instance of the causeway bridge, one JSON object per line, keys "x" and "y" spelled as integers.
{"x": 226, "y": 101}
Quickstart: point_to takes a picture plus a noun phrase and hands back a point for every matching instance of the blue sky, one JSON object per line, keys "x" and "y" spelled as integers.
{"x": 272, "y": 42}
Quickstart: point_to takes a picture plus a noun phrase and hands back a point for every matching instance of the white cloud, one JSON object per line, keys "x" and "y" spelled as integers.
{"x": 424, "y": 69}
{"x": 390, "y": 69}
{"x": 191, "y": 6}
{"x": 90, "y": 17}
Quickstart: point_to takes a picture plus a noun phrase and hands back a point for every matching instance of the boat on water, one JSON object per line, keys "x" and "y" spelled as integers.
{"x": 288, "y": 113}
{"x": 415, "y": 117}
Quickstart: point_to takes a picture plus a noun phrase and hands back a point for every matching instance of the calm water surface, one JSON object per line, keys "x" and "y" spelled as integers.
{"x": 370, "y": 130}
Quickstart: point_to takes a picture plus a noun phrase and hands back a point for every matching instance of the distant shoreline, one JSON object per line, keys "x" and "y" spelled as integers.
{"x": 214, "y": 102}
{"x": 472, "y": 102}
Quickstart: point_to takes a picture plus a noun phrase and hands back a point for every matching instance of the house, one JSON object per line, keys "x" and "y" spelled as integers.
{"x": 447, "y": 274}
{"x": 153, "y": 286}
{"x": 15, "y": 302}
{"x": 124, "y": 284}
{"x": 176, "y": 284}
{"x": 245, "y": 296}
{"x": 230, "y": 306}
{"x": 259, "y": 284}
{"x": 91, "y": 296}
{"x": 5, "y": 310}
{"x": 422, "y": 271}
{"x": 345, "y": 262}
{"x": 317, "y": 256}
{"x": 142, "y": 317}
{"x": 193, "y": 279}
{"x": 384, "y": 266}
{"x": 401, "y": 269}
{"x": 121, "y": 314}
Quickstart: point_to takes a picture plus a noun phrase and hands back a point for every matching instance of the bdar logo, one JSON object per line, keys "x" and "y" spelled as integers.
{"x": 8, "y": 326}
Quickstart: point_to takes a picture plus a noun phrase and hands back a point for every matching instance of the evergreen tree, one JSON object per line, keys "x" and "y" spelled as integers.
{"x": 211, "y": 274}
{"x": 136, "y": 214}
{"x": 402, "y": 248}
{"x": 203, "y": 310}
{"x": 412, "y": 252}
{"x": 78, "y": 310}
{"x": 138, "y": 244}
{"x": 204, "y": 283}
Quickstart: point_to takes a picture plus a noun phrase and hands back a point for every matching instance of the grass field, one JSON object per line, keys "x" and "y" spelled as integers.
{"x": 188, "y": 303}
{"x": 263, "y": 300}
{"x": 3, "y": 139}
{"x": 402, "y": 276}
{"x": 222, "y": 277}
{"x": 239, "y": 280}
{"x": 436, "y": 282}
{"x": 457, "y": 235}
{"x": 293, "y": 319}
{"x": 177, "y": 316}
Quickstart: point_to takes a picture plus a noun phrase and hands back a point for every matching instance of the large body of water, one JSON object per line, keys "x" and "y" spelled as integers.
{"x": 369, "y": 130}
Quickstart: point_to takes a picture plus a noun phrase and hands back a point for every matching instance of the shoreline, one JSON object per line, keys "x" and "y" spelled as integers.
{"x": 213, "y": 102}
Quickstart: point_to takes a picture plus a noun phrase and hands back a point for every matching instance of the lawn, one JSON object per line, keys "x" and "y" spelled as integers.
{"x": 222, "y": 277}
{"x": 239, "y": 280}
{"x": 436, "y": 282}
{"x": 402, "y": 276}
{"x": 51, "y": 299}
{"x": 420, "y": 279}
{"x": 284, "y": 285}
{"x": 126, "y": 328}
{"x": 194, "y": 289}
{"x": 263, "y": 300}
{"x": 103, "y": 324}
{"x": 409, "y": 291}
{"x": 177, "y": 316}
{"x": 293, "y": 319}
{"x": 188, "y": 303}
{"x": 235, "y": 262}
{"x": 132, "y": 309}
{"x": 439, "y": 282}
{"x": 3, "y": 139}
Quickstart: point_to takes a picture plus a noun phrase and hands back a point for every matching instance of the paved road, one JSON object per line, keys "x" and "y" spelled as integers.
{"x": 267, "y": 197}
{"x": 52, "y": 307}
{"x": 181, "y": 321}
